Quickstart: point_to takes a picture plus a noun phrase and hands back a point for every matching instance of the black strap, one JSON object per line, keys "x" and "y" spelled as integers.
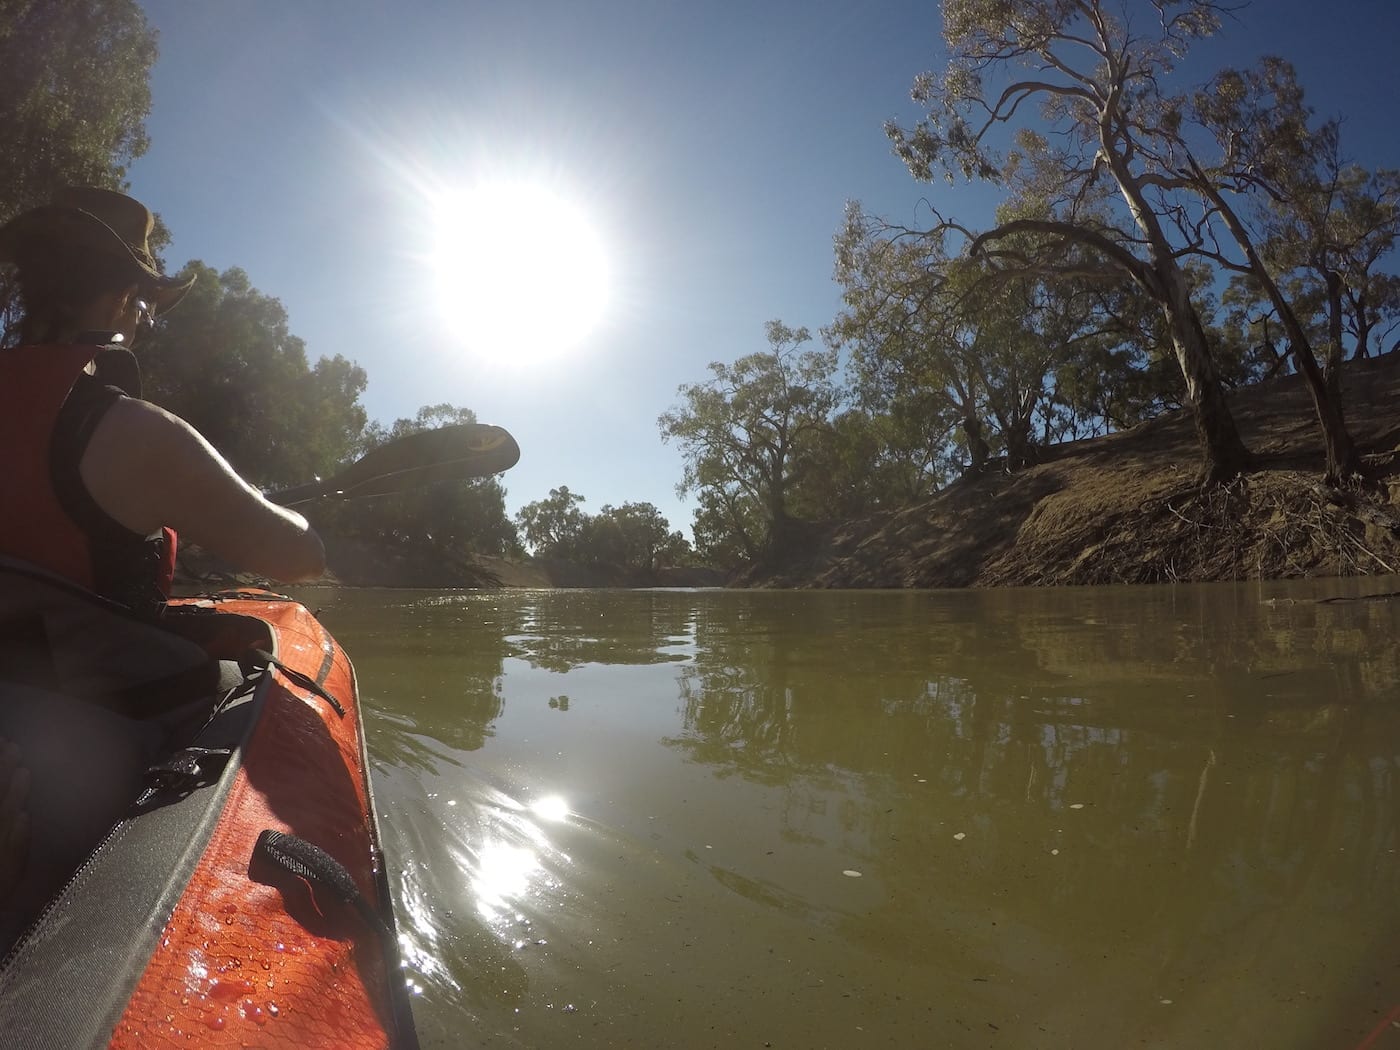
{"x": 117, "y": 366}
{"x": 254, "y": 660}
{"x": 306, "y": 860}
{"x": 124, "y": 562}
{"x": 188, "y": 769}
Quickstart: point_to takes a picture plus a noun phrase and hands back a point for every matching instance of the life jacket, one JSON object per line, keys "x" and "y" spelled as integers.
{"x": 46, "y": 515}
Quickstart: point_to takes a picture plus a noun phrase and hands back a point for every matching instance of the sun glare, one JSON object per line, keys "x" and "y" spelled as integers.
{"x": 520, "y": 272}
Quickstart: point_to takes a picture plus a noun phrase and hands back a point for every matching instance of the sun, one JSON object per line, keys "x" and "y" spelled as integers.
{"x": 520, "y": 272}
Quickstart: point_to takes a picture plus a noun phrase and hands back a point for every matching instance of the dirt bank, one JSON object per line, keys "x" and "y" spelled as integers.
{"x": 1124, "y": 509}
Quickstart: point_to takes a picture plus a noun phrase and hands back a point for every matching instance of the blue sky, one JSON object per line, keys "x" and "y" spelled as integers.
{"x": 712, "y": 145}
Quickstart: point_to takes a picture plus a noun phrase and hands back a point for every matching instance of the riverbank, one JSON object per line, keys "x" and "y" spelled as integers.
{"x": 1124, "y": 508}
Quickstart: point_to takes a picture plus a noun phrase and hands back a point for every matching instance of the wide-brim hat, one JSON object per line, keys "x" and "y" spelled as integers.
{"x": 87, "y": 218}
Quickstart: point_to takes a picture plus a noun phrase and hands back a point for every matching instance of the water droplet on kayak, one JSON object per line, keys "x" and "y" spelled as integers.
{"x": 229, "y": 990}
{"x": 272, "y": 1009}
{"x": 216, "y": 1022}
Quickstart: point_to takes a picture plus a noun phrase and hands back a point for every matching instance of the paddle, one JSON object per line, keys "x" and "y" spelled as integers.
{"x": 450, "y": 453}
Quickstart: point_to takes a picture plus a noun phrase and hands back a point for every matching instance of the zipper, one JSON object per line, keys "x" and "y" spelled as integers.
{"x": 73, "y": 880}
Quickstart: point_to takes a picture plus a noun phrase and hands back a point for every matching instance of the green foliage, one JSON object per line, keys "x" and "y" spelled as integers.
{"x": 632, "y": 536}
{"x": 729, "y": 528}
{"x": 747, "y": 434}
{"x": 638, "y": 536}
{"x": 74, "y": 94}
{"x": 553, "y": 527}
{"x": 225, "y": 361}
{"x": 865, "y": 462}
{"x": 1325, "y": 229}
{"x": 959, "y": 361}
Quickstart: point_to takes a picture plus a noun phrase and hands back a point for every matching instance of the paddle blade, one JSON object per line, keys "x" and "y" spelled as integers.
{"x": 451, "y": 453}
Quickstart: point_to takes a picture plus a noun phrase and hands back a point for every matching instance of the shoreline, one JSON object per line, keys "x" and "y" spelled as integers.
{"x": 1122, "y": 508}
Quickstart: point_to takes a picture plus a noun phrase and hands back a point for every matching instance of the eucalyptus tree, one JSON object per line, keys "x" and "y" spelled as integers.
{"x": 1125, "y": 376}
{"x": 906, "y": 355}
{"x": 1088, "y": 172}
{"x": 868, "y": 460}
{"x": 913, "y": 351}
{"x": 634, "y": 535}
{"x": 728, "y": 526}
{"x": 227, "y": 361}
{"x": 554, "y": 525}
{"x": 744, "y": 432}
{"x": 1368, "y": 227}
{"x": 1294, "y": 218}
{"x": 74, "y": 96}
{"x": 962, "y": 346}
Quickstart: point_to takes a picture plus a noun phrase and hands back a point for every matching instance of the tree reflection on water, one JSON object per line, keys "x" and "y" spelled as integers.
{"x": 1204, "y": 767}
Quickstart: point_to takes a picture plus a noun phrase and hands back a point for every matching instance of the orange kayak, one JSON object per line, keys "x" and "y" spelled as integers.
{"x": 239, "y": 898}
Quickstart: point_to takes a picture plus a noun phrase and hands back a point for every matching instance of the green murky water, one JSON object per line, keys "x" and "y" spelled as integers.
{"x": 1159, "y": 817}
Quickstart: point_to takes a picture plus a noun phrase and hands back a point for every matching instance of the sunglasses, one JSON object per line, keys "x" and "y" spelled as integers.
{"x": 145, "y": 313}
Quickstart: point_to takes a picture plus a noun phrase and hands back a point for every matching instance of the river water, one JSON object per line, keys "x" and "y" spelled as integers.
{"x": 1161, "y": 817}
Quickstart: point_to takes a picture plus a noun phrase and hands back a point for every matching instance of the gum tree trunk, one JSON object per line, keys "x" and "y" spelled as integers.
{"x": 1222, "y": 450}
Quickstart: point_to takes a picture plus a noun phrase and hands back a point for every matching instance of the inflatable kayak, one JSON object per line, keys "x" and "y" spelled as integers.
{"x": 204, "y": 865}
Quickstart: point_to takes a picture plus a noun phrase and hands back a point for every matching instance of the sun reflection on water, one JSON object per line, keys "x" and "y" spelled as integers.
{"x": 505, "y": 873}
{"x": 550, "y": 807}
{"x": 512, "y": 860}
{"x": 502, "y": 876}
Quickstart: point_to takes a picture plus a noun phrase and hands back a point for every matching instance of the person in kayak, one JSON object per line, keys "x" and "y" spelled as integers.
{"x": 107, "y": 479}
{"x": 94, "y": 481}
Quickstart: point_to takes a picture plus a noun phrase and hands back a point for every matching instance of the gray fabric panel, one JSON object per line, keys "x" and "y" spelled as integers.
{"x": 80, "y": 643}
{"x": 69, "y": 981}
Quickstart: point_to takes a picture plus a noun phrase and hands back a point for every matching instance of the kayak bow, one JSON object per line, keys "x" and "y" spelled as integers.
{"x": 241, "y": 897}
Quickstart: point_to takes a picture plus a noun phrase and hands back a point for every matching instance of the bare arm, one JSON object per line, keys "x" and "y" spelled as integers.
{"x": 147, "y": 468}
